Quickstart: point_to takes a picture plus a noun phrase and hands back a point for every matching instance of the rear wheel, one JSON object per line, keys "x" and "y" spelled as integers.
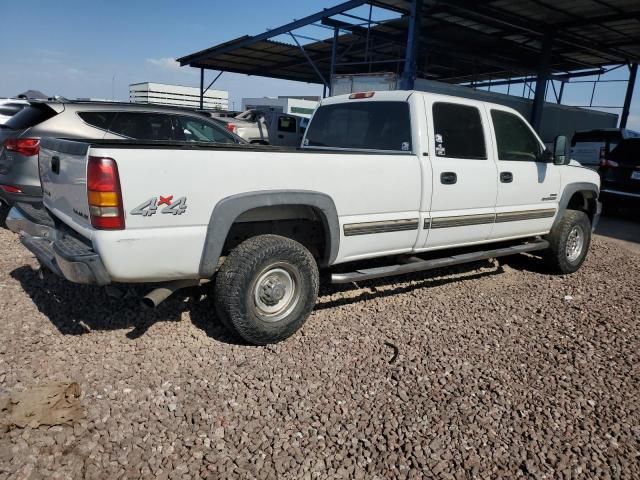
{"x": 266, "y": 288}
{"x": 569, "y": 242}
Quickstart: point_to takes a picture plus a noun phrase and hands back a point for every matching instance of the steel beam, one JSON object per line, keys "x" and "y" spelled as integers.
{"x": 633, "y": 72}
{"x": 334, "y": 53}
{"x": 284, "y": 29}
{"x": 310, "y": 60}
{"x": 541, "y": 81}
{"x": 212, "y": 82}
{"x": 201, "y": 88}
{"x": 558, "y": 77}
{"x": 413, "y": 39}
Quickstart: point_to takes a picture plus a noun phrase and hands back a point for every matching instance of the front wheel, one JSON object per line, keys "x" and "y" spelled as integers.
{"x": 266, "y": 288}
{"x": 569, "y": 242}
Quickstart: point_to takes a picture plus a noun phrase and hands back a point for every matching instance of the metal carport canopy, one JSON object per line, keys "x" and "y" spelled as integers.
{"x": 455, "y": 41}
{"x": 458, "y": 41}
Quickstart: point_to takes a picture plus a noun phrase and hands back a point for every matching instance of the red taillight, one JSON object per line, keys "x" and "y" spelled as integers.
{"x": 10, "y": 189}
{"x": 232, "y": 127}
{"x": 24, "y": 146}
{"x": 104, "y": 194}
{"x": 357, "y": 95}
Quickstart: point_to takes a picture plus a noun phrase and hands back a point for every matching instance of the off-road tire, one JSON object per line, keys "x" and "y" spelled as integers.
{"x": 236, "y": 290}
{"x": 557, "y": 257}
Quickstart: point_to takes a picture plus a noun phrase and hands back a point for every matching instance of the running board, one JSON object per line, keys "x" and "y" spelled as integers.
{"x": 418, "y": 265}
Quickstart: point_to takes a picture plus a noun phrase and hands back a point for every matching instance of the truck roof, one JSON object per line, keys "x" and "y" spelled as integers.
{"x": 403, "y": 96}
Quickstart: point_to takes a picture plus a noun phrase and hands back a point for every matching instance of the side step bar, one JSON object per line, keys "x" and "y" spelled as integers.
{"x": 418, "y": 265}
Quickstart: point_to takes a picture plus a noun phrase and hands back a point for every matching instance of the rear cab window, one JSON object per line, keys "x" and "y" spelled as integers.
{"x": 361, "y": 125}
{"x": 30, "y": 116}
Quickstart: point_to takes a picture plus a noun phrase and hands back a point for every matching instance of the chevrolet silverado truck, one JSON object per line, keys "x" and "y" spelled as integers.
{"x": 413, "y": 180}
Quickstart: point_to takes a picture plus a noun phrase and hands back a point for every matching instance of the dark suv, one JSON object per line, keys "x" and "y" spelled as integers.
{"x": 620, "y": 174}
{"x": 20, "y": 136}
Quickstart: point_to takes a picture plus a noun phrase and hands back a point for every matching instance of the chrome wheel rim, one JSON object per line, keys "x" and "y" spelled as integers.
{"x": 276, "y": 292}
{"x": 575, "y": 243}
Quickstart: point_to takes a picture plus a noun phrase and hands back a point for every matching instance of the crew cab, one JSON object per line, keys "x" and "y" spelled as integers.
{"x": 416, "y": 180}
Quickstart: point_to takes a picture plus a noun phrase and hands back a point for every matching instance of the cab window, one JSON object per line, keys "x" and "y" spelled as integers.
{"x": 514, "y": 138}
{"x": 287, "y": 124}
{"x": 458, "y": 131}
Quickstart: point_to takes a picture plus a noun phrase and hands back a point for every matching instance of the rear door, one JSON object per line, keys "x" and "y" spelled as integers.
{"x": 464, "y": 180}
{"x": 286, "y": 131}
{"x": 528, "y": 186}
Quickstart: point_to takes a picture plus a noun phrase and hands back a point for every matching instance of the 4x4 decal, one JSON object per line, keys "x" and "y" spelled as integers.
{"x": 150, "y": 207}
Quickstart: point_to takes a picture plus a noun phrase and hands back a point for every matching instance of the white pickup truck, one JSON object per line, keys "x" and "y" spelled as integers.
{"x": 417, "y": 180}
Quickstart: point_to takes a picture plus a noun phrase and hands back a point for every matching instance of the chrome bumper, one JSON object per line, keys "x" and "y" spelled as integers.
{"x": 60, "y": 252}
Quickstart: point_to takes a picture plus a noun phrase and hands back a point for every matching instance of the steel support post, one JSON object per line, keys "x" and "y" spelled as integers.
{"x": 633, "y": 72}
{"x": 201, "y": 88}
{"x": 541, "y": 81}
{"x": 334, "y": 54}
{"x": 413, "y": 39}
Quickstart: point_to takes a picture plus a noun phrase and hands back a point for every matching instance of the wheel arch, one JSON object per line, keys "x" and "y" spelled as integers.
{"x": 229, "y": 209}
{"x": 579, "y": 196}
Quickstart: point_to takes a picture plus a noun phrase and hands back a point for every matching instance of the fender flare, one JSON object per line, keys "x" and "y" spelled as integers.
{"x": 569, "y": 190}
{"x": 230, "y": 208}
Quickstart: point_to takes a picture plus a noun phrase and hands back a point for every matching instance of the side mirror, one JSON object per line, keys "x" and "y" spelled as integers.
{"x": 561, "y": 150}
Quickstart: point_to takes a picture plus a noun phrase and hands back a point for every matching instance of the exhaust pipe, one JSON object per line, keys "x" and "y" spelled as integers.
{"x": 158, "y": 295}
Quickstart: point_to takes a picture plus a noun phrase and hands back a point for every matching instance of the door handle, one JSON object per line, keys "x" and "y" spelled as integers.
{"x": 448, "y": 178}
{"x": 55, "y": 164}
{"x": 506, "y": 177}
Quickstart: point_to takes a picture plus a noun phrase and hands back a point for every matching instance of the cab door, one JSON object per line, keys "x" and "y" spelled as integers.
{"x": 286, "y": 132}
{"x": 528, "y": 184}
{"x": 464, "y": 178}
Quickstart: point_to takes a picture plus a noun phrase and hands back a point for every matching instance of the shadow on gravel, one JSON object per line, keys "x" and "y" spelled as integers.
{"x": 423, "y": 280}
{"x": 80, "y": 309}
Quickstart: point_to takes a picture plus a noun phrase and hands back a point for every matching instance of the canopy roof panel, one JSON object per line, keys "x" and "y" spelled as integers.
{"x": 459, "y": 41}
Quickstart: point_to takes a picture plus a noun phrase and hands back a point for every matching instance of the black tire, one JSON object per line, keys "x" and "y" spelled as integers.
{"x": 561, "y": 257}
{"x": 253, "y": 280}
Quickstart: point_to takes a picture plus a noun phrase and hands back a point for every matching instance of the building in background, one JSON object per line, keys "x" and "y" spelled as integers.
{"x": 303, "y": 106}
{"x": 178, "y": 95}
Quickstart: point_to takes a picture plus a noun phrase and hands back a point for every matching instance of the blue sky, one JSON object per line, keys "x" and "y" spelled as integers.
{"x": 97, "y": 48}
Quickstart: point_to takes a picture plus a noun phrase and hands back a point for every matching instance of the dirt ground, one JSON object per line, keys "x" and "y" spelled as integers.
{"x": 493, "y": 370}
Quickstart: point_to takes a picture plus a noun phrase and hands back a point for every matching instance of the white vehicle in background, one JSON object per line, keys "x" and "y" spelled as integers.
{"x": 416, "y": 180}
{"x": 268, "y": 128}
{"x": 9, "y": 107}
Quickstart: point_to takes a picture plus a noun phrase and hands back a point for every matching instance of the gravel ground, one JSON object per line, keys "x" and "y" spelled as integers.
{"x": 494, "y": 370}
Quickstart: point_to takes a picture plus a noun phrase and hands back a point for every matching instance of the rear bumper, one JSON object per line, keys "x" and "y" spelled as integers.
{"x": 61, "y": 252}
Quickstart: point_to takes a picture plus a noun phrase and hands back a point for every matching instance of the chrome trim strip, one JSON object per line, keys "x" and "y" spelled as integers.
{"x": 427, "y": 224}
{"x": 366, "y": 228}
{"x": 618, "y": 192}
{"x": 525, "y": 215}
{"x": 462, "y": 220}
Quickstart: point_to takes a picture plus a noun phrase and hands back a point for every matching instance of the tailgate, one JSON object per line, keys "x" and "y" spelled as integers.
{"x": 63, "y": 172}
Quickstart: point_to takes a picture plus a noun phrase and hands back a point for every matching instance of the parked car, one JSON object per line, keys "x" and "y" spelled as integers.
{"x": 620, "y": 175}
{"x": 389, "y": 175}
{"x": 20, "y": 136}
{"x": 590, "y": 147}
{"x": 9, "y": 107}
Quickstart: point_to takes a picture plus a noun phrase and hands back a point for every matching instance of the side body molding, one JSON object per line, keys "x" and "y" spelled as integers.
{"x": 230, "y": 208}
{"x": 568, "y": 192}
